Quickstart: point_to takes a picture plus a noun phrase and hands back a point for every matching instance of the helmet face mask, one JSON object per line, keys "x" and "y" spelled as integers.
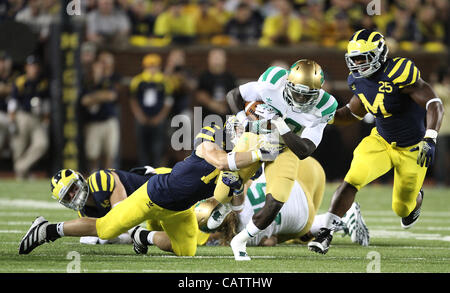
{"x": 70, "y": 188}
{"x": 300, "y": 97}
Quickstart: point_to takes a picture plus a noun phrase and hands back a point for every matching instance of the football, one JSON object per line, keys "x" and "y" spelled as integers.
{"x": 250, "y": 108}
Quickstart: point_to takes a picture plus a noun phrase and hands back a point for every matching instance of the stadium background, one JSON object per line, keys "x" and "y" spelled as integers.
{"x": 319, "y": 30}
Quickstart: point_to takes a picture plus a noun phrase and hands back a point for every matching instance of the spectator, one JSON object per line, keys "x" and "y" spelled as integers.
{"x": 206, "y": 24}
{"x": 6, "y": 82}
{"x": 336, "y": 34}
{"x": 37, "y": 18}
{"x": 213, "y": 85}
{"x": 284, "y": 28}
{"x": 151, "y": 103}
{"x": 403, "y": 29}
{"x": 142, "y": 22}
{"x": 88, "y": 54}
{"x": 244, "y": 27}
{"x": 175, "y": 25}
{"x": 432, "y": 30}
{"x": 99, "y": 101}
{"x": 441, "y": 168}
{"x": 312, "y": 20}
{"x": 220, "y": 12}
{"x": 29, "y": 110}
{"x": 354, "y": 11}
{"x": 107, "y": 24}
{"x": 9, "y": 8}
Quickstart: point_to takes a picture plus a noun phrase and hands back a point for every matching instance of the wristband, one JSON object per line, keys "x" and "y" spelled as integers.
{"x": 231, "y": 157}
{"x": 431, "y": 133}
{"x": 256, "y": 156}
{"x": 282, "y": 127}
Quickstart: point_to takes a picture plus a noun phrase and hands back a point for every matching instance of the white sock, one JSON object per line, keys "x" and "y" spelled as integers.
{"x": 150, "y": 237}
{"x": 319, "y": 222}
{"x": 331, "y": 220}
{"x": 60, "y": 229}
{"x": 252, "y": 230}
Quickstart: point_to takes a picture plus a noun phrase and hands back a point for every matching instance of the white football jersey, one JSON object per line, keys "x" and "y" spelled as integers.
{"x": 292, "y": 217}
{"x": 269, "y": 89}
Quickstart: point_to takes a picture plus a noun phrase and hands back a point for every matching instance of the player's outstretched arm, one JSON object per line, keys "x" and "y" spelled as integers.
{"x": 233, "y": 161}
{"x": 353, "y": 112}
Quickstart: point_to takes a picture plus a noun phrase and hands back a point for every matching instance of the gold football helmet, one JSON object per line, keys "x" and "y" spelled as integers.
{"x": 366, "y": 53}
{"x": 203, "y": 210}
{"x": 70, "y": 189}
{"x": 304, "y": 81}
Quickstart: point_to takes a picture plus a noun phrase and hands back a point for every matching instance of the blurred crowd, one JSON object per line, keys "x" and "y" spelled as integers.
{"x": 166, "y": 87}
{"x": 408, "y": 24}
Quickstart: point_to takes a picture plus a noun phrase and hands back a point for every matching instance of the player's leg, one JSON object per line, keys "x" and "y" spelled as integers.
{"x": 407, "y": 194}
{"x": 182, "y": 229}
{"x": 280, "y": 177}
{"x": 371, "y": 160}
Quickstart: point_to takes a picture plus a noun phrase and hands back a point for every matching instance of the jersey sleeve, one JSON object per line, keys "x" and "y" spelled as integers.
{"x": 315, "y": 133}
{"x": 403, "y": 72}
{"x": 212, "y": 133}
{"x": 326, "y": 106}
{"x": 249, "y": 91}
{"x": 101, "y": 185}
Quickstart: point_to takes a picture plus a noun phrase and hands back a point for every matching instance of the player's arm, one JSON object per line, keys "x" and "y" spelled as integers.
{"x": 353, "y": 112}
{"x": 423, "y": 94}
{"x": 119, "y": 193}
{"x": 224, "y": 161}
{"x": 237, "y": 97}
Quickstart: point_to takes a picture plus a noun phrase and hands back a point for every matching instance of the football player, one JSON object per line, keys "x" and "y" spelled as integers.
{"x": 408, "y": 116}
{"x": 165, "y": 198}
{"x": 296, "y": 220}
{"x": 102, "y": 190}
{"x": 302, "y": 111}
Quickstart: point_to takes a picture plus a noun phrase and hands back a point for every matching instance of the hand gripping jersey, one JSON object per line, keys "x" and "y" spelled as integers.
{"x": 291, "y": 219}
{"x": 398, "y": 118}
{"x": 270, "y": 87}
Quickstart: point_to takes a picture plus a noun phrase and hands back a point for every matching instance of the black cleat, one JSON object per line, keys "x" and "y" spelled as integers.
{"x": 408, "y": 221}
{"x": 138, "y": 246}
{"x": 322, "y": 241}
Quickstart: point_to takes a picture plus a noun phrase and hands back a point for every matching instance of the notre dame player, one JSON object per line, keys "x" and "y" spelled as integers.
{"x": 408, "y": 116}
{"x": 165, "y": 198}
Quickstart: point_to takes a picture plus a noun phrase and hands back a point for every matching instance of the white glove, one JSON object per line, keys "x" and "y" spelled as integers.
{"x": 281, "y": 126}
{"x": 265, "y": 111}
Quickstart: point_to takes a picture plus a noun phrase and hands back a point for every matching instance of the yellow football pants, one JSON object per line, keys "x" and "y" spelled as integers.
{"x": 180, "y": 226}
{"x": 374, "y": 157}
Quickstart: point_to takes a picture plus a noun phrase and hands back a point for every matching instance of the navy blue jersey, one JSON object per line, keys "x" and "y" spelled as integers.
{"x": 101, "y": 185}
{"x": 397, "y": 117}
{"x": 190, "y": 181}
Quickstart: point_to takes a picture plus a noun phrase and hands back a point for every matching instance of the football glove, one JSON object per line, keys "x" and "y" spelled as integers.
{"x": 281, "y": 126}
{"x": 232, "y": 180}
{"x": 426, "y": 150}
{"x": 265, "y": 111}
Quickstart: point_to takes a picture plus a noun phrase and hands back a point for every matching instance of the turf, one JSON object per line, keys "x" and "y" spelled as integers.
{"x": 423, "y": 248}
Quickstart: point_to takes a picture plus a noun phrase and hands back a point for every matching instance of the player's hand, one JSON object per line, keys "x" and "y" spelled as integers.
{"x": 232, "y": 180}
{"x": 281, "y": 126}
{"x": 265, "y": 111}
{"x": 426, "y": 150}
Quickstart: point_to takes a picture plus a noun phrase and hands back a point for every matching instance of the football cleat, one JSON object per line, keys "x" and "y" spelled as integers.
{"x": 138, "y": 246}
{"x": 218, "y": 215}
{"x": 322, "y": 241}
{"x": 239, "y": 249}
{"x": 355, "y": 225}
{"x": 36, "y": 235}
{"x": 408, "y": 221}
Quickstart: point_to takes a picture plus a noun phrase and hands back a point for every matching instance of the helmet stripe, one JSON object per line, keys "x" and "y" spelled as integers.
{"x": 373, "y": 35}
{"x": 355, "y": 36}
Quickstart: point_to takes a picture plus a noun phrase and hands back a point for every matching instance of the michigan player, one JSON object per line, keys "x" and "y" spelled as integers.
{"x": 408, "y": 116}
{"x": 302, "y": 110}
{"x": 296, "y": 220}
{"x": 166, "y": 198}
{"x": 103, "y": 190}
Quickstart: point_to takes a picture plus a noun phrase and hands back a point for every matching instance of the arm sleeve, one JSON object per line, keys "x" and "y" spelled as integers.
{"x": 314, "y": 134}
{"x": 249, "y": 92}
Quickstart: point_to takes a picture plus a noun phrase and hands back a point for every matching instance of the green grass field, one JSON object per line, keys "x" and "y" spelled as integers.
{"x": 423, "y": 248}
